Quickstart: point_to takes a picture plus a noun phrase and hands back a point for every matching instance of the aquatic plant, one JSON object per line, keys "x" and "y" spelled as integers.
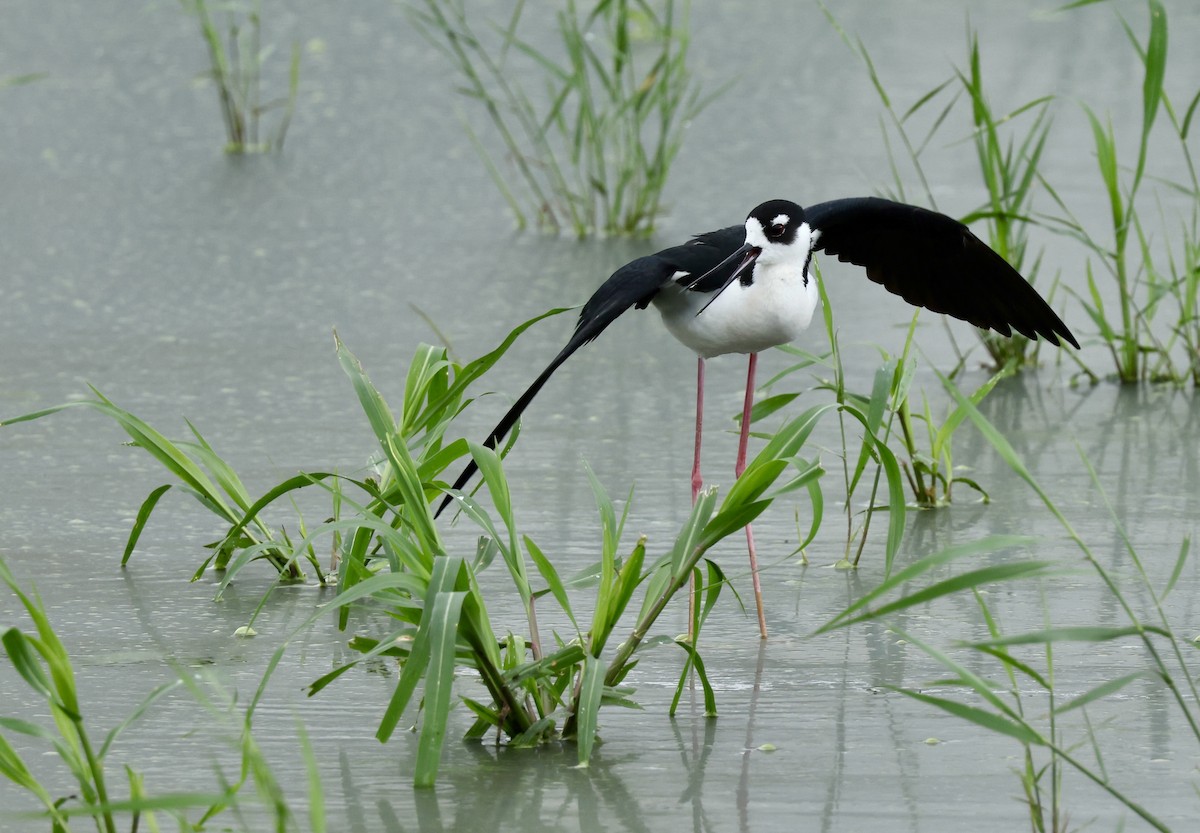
{"x": 1147, "y": 269}
{"x": 236, "y": 61}
{"x": 1164, "y": 647}
{"x": 592, "y": 152}
{"x": 41, "y": 660}
{"x": 1138, "y": 351}
{"x": 535, "y": 691}
{"x": 1008, "y": 167}
{"x": 208, "y": 478}
{"x": 389, "y": 550}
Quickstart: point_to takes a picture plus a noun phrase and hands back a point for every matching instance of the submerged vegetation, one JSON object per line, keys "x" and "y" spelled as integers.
{"x": 589, "y": 152}
{"x": 236, "y": 60}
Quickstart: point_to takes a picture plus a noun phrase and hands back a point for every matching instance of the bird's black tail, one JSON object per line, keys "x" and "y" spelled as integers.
{"x": 635, "y": 283}
{"x": 514, "y": 413}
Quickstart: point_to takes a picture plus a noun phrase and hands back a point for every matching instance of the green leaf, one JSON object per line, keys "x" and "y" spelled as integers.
{"x": 980, "y": 717}
{"x": 442, "y": 581}
{"x": 695, "y": 663}
{"x": 1180, "y": 560}
{"x": 1152, "y": 84}
{"x": 139, "y": 523}
{"x": 919, "y": 568}
{"x": 966, "y": 581}
{"x": 1083, "y": 633}
{"x": 442, "y": 624}
{"x": 26, "y": 661}
{"x": 587, "y": 707}
{"x": 547, "y": 571}
{"x": 1101, "y": 691}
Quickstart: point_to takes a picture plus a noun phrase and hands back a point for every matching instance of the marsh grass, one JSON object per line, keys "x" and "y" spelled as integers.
{"x": 1008, "y": 149}
{"x": 536, "y": 690}
{"x": 590, "y": 151}
{"x": 391, "y": 553}
{"x": 42, "y": 661}
{"x": 1164, "y": 649}
{"x": 1146, "y": 341}
{"x": 1008, "y": 165}
{"x": 1144, "y": 270}
{"x": 203, "y": 474}
{"x": 236, "y": 60}
{"x": 897, "y": 447}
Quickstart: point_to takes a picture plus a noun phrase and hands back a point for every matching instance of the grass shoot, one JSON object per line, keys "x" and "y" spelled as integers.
{"x": 236, "y": 60}
{"x": 591, "y": 155}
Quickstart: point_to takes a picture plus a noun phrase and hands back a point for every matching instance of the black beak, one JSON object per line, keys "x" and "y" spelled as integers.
{"x": 747, "y": 254}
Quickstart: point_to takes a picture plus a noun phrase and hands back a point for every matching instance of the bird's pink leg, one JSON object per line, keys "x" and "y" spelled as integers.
{"x": 697, "y": 478}
{"x": 743, "y": 441}
{"x": 697, "y": 482}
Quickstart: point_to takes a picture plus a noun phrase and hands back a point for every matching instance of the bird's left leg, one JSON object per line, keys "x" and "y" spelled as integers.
{"x": 743, "y": 441}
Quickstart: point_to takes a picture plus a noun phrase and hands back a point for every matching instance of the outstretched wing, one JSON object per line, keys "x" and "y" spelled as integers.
{"x": 934, "y": 261}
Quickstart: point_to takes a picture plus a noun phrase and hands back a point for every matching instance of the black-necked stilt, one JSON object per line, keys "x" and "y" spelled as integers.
{"x": 745, "y": 288}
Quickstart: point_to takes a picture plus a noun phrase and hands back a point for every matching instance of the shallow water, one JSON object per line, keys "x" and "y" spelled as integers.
{"x": 137, "y": 258}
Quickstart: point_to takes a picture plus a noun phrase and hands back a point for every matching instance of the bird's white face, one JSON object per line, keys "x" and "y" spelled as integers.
{"x": 779, "y": 237}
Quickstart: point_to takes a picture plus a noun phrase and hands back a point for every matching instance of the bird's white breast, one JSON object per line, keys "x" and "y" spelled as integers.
{"x": 772, "y": 310}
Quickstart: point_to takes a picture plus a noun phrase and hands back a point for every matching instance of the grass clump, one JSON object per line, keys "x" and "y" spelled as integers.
{"x": 1128, "y": 257}
{"x": 41, "y": 660}
{"x": 589, "y": 152}
{"x": 534, "y": 690}
{"x": 998, "y": 705}
{"x": 1008, "y": 158}
{"x": 391, "y": 553}
{"x": 1142, "y": 289}
{"x": 236, "y": 59}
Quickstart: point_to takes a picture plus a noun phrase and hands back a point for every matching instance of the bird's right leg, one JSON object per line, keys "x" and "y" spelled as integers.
{"x": 697, "y": 477}
{"x": 697, "y": 484}
{"x": 743, "y": 442}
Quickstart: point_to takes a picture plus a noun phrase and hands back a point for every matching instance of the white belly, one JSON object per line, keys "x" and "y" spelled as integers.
{"x": 773, "y": 310}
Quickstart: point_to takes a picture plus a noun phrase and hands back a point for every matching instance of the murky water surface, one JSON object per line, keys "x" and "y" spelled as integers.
{"x": 179, "y": 282}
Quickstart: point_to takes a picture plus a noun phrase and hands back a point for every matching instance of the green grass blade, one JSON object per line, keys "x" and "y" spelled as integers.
{"x": 628, "y": 577}
{"x": 1082, "y": 633}
{"x": 24, "y": 659}
{"x": 149, "y": 700}
{"x": 1101, "y": 691}
{"x": 1152, "y": 84}
{"x": 919, "y": 568}
{"x": 1180, "y": 560}
{"x": 966, "y": 581}
{"x": 695, "y": 663}
{"x": 547, "y": 571}
{"x": 439, "y": 683}
{"x": 139, "y": 523}
{"x": 316, "y": 794}
{"x": 980, "y": 717}
{"x": 587, "y": 707}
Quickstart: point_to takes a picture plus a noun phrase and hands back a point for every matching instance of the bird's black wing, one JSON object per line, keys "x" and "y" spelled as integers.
{"x": 635, "y": 283}
{"x": 933, "y": 261}
{"x": 704, "y": 252}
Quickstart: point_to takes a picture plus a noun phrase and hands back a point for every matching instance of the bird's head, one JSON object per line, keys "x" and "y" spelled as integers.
{"x": 773, "y": 235}
{"x": 771, "y": 231}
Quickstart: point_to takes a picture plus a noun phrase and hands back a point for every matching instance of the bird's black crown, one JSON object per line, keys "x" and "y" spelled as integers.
{"x": 780, "y": 219}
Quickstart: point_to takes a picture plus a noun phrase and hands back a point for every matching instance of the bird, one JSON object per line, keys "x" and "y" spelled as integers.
{"x": 749, "y": 287}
